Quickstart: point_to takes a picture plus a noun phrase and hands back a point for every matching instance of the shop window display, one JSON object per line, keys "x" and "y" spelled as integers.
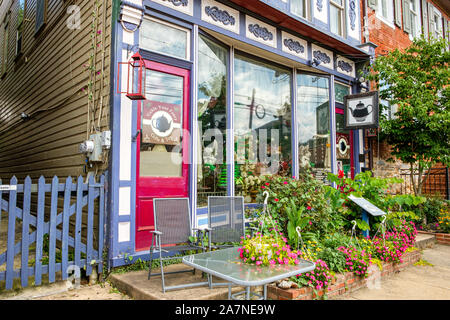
{"x": 313, "y": 116}
{"x": 262, "y": 123}
{"x": 212, "y": 120}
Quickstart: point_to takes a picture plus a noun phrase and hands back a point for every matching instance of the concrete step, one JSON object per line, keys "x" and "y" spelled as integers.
{"x": 425, "y": 240}
{"x": 136, "y": 285}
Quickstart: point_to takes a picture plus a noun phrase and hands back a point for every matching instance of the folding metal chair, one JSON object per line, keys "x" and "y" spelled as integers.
{"x": 171, "y": 234}
{"x": 226, "y": 223}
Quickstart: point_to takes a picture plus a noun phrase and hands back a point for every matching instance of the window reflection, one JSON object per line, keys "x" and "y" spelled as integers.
{"x": 313, "y": 116}
{"x": 212, "y": 92}
{"x": 262, "y": 123}
{"x": 163, "y": 38}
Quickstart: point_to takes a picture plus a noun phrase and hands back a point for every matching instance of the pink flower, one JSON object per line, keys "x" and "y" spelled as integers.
{"x": 285, "y": 182}
{"x": 308, "y": 207}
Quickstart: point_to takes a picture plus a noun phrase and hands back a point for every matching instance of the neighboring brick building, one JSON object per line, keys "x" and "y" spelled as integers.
{"x": 392, "y": 24}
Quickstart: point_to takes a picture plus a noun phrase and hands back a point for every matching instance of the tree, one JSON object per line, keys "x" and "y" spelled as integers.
{"x": 417, "y": 81}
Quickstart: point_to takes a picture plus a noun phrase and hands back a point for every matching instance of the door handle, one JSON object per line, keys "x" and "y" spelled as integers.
{"x": 136, "y": 135}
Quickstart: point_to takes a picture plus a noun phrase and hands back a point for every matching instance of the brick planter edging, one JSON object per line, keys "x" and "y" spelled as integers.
{"x": 345, "y": 283}
{"x": 441, "y": 238}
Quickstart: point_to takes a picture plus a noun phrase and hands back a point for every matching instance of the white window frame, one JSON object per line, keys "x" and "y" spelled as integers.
{"x": 341, "y": 9}
{"x": 416, "y": 27}
{"x": 436, "y": 30}
{"x": 306, "y": 9}
{"x": 389, "y": 19}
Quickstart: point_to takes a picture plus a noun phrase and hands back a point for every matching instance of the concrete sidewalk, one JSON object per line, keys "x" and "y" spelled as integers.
{"x": 419, "y": 282}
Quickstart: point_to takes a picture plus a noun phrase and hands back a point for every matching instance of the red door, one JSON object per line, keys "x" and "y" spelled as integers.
{"x": 344, "y": 146}
{"x": 162, "y": 145}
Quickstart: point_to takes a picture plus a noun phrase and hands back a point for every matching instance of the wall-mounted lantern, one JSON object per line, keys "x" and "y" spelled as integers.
{"x": 135, "y": 78}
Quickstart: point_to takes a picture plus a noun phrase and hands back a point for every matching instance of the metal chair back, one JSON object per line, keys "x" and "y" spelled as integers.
{"x": 172, "y": 218}
{"x": 226, "y": 218}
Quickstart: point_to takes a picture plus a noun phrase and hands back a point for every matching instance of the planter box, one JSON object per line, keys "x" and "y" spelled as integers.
{"x": 345, "y": 283}
{"x": 441, "y": 238}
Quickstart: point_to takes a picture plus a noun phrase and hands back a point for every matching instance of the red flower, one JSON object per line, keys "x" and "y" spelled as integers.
{"x": 276, "y": 199}
{"x": 263, "y": 187}
{"x": 340, "y": 174}
{"x": 308, "y": 207}
{"x": 267, "y": 183}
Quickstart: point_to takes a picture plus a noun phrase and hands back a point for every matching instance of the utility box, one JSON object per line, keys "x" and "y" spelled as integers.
{"x": 106, "y": 139}
{"x": 96, "y": 154}
{"x": 94, "y": 147}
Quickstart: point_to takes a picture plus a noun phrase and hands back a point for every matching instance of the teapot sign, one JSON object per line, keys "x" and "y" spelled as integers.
{"x": 361, "y": 110}
{"x": 161, "y": 123}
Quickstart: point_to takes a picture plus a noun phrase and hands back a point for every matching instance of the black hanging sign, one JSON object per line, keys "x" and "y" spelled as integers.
{"x": 361, "y": 110}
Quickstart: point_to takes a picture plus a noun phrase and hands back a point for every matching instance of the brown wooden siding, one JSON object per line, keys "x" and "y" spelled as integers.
{"x": 47, "y": 82}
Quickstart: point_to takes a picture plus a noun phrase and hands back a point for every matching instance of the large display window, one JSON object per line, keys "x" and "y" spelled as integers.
{"x": 313, "y": 119}
{"x": 212, "y": 120}
{"x": 262, "y": 122}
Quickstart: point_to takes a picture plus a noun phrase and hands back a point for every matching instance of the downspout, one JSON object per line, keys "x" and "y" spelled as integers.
{"x": 365, "y": 21}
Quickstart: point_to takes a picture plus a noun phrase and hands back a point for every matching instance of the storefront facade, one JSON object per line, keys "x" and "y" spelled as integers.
{"x": 234, "y": 90}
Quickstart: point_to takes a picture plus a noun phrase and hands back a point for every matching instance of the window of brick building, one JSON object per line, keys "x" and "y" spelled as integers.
{"x": 385, "y": 11}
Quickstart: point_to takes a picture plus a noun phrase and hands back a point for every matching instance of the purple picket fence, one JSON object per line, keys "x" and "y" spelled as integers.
{"x": 53, "y": 236}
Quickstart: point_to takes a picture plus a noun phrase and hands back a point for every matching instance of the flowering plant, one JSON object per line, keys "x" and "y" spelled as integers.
{"x": 444, "y": 220}
{"x": 319, "y": 278}
{"x": 357, "y": 261}
{"x": 265, "y": 250}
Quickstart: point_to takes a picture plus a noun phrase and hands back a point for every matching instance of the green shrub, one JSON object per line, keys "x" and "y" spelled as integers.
{"x": 300, "y": 202}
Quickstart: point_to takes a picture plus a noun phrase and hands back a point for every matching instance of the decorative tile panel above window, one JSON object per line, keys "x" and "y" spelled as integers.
{"x": 320, "y": 10}
{"x": 185, "y": 6}
{"x": 294, "y": 45}
{"x": 260, "y": 31}
{"x": 323, "y": 56}
{"x": 220, "y": 15}
{"x": 345, "y": 66}
{"x": 353, "y": 21}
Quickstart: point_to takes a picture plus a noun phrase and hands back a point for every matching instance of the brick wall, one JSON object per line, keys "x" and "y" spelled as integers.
{"x": 344, "y": 283}
{"x": 441, "y": 238}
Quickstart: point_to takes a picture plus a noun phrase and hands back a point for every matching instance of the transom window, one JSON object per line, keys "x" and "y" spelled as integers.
{"x": 164, "y": 38}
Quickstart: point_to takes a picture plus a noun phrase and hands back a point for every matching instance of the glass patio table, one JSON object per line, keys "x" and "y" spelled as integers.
{"x": 227, "y": 265}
